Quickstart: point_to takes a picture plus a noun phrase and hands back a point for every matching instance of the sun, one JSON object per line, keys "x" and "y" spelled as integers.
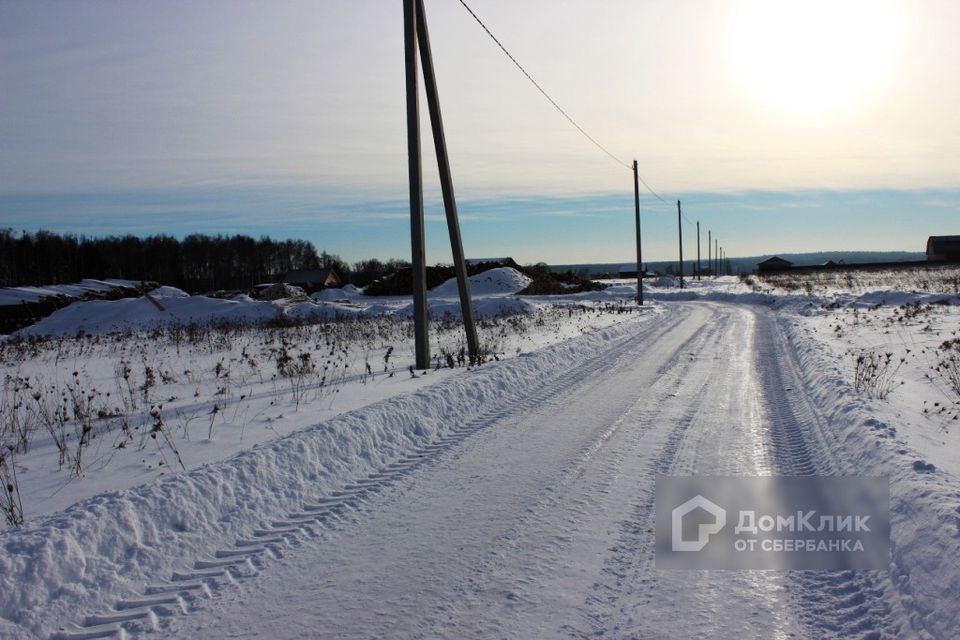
{"x": 813, "y": 55}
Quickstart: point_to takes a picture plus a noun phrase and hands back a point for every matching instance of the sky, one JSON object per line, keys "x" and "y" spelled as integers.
{"x": 781, "y": 126}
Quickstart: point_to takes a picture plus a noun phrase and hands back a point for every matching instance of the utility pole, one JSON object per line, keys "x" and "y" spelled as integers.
{"x": 698, "y": 249}
{"x": 446, "y": 183}
{"x": 415, "y": 170}
{"x": 709, "y": 253}
{"x": 636, "y": 206}
{"x": 415, "y": 33}
{"x": 680, "y": 235}
{"x": 716, "y": 257}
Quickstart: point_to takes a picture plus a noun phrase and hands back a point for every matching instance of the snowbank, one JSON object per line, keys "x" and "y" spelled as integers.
{"x": 320, "y": 311}
{"x": 924, "y": 503}
{"x": 491, "y": 289}
{"x": 666, "y": 281}
{"x": 730, "y": 289}
{"x": 168, "y": 293}
{"x": 106, "y": 316}
{"x": 503, "y": 280}
{"x": 17, "y": 295}
{"x": 112, "y": 545}
{"x": 348, "y": 292}
{"x": 488, "y": 307}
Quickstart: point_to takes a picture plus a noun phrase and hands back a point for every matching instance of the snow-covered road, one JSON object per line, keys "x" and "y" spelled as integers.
{"x": 534, "y": 517}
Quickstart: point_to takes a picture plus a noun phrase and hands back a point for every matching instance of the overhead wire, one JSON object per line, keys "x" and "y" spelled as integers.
{"x": 648, "y": 188}
{"x": 541, "y": 89}
{"x": 558, "y": 107}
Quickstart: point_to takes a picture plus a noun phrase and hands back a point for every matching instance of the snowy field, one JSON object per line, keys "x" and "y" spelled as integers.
{"x": 178, "y": 479}
{"x": 108, "y": 394}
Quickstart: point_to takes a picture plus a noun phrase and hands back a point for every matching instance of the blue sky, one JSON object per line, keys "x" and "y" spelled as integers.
{"x": 566, "y": 229}
{"x": 782, "y": 126}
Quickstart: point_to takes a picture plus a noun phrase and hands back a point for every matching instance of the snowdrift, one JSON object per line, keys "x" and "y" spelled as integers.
{"x": 502, "y": 280}
{"x": 17, "y": 295}
{"x": 85, "y": 558}
{"x": 175, "y": 307}
{"x": 492, "y": 297}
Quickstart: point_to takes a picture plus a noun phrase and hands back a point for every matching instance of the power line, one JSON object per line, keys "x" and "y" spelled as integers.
{"x": 655, "y": 194}
{"x": 545, "y": 94}
{"x": 557, "y": 106}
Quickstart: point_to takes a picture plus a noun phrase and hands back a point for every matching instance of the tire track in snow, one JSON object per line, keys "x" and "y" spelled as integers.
{"x": 627, "y": 571}
{"x": 712, "y": 433}
{"x": 315, "y": 521}
{"x": 426, "y": 558}
{"x": 833, "y": 604}
{"x": 568, "y": 508}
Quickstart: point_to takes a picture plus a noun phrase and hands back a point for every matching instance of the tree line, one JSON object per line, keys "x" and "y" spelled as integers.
{"x": 196, "y": 263}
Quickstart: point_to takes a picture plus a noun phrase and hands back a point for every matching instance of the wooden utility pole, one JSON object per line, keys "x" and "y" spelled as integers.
{"x": 698, "y": 249}
{"x": 446, "y": 183}
{"x": 680, "y": 236}
{"x": 716, "y": 257}
{"x": 419, "y": 263}
{"x": 709, "y": 253}
{"x": 415, "y": 34}
{"x": 636, "y": 207}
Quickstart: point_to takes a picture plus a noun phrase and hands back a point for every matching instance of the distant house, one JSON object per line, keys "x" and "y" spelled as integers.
{"x": 773, "y": 264}
{"x": 312, "y": 279}
{"x": 943, "y": 248}
{"x": 630, "y": 271}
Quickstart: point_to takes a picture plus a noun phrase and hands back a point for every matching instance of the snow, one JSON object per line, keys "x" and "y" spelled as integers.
{"x": 499, "y": 280}
{"x": 347, "y": 292}
{"x": 17, "y": 295}
{"x": 106, "y": 316}
{"x": 513, "y": 496}
{"x": 491, "y": 292}
{"x": 117, "y": 541}
{"x": 666, "y": 281}
{"x": 168, "y": 293}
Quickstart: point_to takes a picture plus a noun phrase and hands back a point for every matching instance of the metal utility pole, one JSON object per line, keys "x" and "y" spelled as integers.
{"x": 446, "y": 182}
{"x": 636, "y": 206}
{"x": 709, "y": 254}
{"x": 680, "y": 235}
{"x": 415, "y": 33}
{"x": 698, "y": 249}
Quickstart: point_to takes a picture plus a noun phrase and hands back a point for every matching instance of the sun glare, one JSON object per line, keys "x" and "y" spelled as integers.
{"x": 813, "y": 55}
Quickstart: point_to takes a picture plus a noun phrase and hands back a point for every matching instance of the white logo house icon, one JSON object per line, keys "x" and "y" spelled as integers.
{"x": 704, "y": 530}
